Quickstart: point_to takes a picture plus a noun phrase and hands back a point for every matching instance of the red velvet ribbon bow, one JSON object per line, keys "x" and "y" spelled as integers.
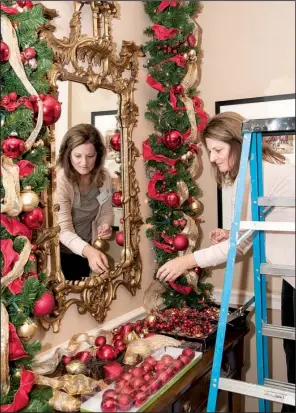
{"x": 164, "y": 247}
{"x": 182, "y": 289}
{"x": 21, "y": 397}
{"x": 16, "y": 349}
{"x": 164, "y": 4}
{"x": 152, "y": 192}
{"x": 148, "y": 155}
{"x": 174, "y": 100}
{"x": 14, "y": 226}
{"x": 25, "y": 168}
{"x": 164, "y": 33}
{"x": 10, "y": 256}
{"x": 154, "y": 84}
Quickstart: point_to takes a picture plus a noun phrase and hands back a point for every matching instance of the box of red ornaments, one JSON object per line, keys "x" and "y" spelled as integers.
{"x": 139, "y": 387}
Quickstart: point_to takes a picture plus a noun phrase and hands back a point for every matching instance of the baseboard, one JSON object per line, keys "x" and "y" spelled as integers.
{"x": 237, "y": 298}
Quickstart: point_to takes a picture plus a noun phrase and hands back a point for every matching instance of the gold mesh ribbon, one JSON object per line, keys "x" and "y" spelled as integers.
{"x": 183, "y": 191}
{"x": 5, "y": 379}
{"x": 194, "y": 167}
{"x": 145, "y": 346}
{"x": 11, "y": 182}
{"x": 9, "y": 37}
{"x": 191, "y": 232}
{"x": 153, "y": 296}
{"x": 18, "y": 268}
{"x": 188, "y": 82}
{"x": 79, "y": 342}
{"x": 63, "y": 402}
{"x": 71, "y": 384}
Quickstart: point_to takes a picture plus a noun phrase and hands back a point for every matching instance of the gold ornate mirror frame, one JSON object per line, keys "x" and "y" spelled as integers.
{"x": 92, "y": 61}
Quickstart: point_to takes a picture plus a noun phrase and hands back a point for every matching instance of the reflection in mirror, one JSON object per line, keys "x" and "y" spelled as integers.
{"x": 89, "y": 184}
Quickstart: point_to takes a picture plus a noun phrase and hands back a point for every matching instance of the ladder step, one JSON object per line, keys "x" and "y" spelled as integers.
{"x": 278, "y": 202}
{"x": 278, "y": 270}
{"x": 280, "y": 384}
{"x": 268, "y": 226}
{"x": 273, "y": 393}
{"x": 272, "y": 330}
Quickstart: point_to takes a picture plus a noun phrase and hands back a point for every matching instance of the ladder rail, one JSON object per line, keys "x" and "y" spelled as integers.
{"x": 220, "y": 337}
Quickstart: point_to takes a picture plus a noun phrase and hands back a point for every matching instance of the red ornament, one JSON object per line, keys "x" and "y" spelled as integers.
{"x": 111, "y": 393}
{"x": 180, "y": 242}
{"x": 100, "y": 341}
{"x": 66, "y": 359}
{"x": 106, "y": 352}
{"x": 116, "y": 199}
{"x": 120, "y": 238}
{"x": 199, "y": 271}
{"x": 179, "y": 89}
{"x": 125, "y": 402}
{"x": 33, "y": 219}
{"x": 173, "y": 139}
{"x": 172, "y": 199}
{"x": 27, "y": 4}
{"x": 191, "y": 40}
{"x": 13, "y": 147}
{"x": 12, "y": 96}
{"x": 112, "y": 370}
{"x": 83, "y": 356}
{"x": 44, "y": 305}
{"x": 188, "y": 352}
{"x": 51, "y": 109}
{"x": 4, "y": 52}
{"x": 109, "y": 405}
{"x": 29, "y": 53}
{"x": 115, "y": 142}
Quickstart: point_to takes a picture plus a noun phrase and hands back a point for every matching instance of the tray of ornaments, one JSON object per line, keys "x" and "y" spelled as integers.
{"x": 140, "y": 386}
{"x": 192, "y": 324}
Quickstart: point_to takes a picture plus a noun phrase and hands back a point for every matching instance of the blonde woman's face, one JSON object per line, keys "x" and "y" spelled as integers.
{"x": 83, "y": 158}
{"x": 219, "y": 154}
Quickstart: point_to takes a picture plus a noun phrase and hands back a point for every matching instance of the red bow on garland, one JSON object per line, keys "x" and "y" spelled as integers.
{"x": 148, "y": 155}
{"x": 21, "y": 398}
{"x": 14, "y": 226}
{"x": 164, "y": 4}
{"x": 182, "y": 289}
{"x": 163, "y": 33}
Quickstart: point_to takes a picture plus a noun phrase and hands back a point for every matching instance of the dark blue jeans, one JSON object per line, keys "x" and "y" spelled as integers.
{"x": 288, "y": 320}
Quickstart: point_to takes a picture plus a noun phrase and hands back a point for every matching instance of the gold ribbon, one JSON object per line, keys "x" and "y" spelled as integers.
{"x": 79, "y": 342}
{"x": 12, "y": 205}
{"x": 71, "y": 384}
{"x": 187, "y": 83}
{"x": 9, "y": 37}
{"x": 63, "y": 402}
{"x": 18, "y": 268}
{"x": 183, "y": 191}
{"x": 5, "y": 378}
{"x": 194, "y": 167}
{"x": 191, "y": 232}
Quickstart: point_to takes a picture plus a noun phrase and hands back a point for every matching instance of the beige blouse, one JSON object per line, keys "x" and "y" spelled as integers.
{"x": 65, "y": 197}
{"x": 279, "y": 181}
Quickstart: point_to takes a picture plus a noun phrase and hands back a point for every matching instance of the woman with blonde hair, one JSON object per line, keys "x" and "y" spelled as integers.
{"x": 222, "y": 138}
{"x": 85, "y": 204}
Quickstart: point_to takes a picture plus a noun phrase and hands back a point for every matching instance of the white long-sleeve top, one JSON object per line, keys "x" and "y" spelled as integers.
{"x": 278, "y": 181}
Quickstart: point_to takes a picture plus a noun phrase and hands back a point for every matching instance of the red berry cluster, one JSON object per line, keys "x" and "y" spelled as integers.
{"x": 186, "y": 321}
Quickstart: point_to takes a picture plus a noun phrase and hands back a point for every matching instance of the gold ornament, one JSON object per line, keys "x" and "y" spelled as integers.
{"x": 17, "y": 373}
{"x": 29, "y": 198}
{"x": 76, "y": 367}
{"x": 195, "y": 206}
{"x": 150, "y": 318}
{"x": 118, "y": 159}
{"x": 132, "y": 336}
{"x": 185, "y": 55}
{"x": 192, "y": 53}
{"x": 184, "y": 157}
{"x": 27, "y": 330}
{"x": 99, "y": 244}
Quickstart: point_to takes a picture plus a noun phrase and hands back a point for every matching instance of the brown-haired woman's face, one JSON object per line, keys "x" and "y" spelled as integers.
{"x": 83, "y": 158}
{"x": 219, "y": 154}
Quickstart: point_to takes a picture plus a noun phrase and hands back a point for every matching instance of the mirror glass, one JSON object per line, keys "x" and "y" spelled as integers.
{"x": 100, "y": 109}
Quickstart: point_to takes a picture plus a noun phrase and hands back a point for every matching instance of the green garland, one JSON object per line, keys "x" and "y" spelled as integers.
{"x": 165, "y": 118}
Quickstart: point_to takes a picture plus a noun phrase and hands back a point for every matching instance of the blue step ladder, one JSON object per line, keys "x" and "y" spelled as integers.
{"x": 265, "y": 389}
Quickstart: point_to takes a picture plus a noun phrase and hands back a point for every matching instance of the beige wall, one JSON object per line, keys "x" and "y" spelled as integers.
{"x": 249, "y": 51}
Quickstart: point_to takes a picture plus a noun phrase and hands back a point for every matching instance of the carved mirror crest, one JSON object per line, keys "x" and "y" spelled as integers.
{"x": 92, "y": 61}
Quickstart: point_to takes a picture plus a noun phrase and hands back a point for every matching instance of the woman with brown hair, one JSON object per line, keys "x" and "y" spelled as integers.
{"x": 85, "y": 204}
{"x": 222, "y": 138}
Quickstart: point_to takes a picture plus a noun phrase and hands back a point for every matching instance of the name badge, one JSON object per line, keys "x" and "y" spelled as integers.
{"x": 104, "y": 196}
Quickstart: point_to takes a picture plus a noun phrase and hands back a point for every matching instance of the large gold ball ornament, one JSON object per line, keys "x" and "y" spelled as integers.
{"x": 76, "y": 367}
{"x": 27, "y": 330}
{"x": 195, "y": 206}
{"x": 99, "y": 244}
{"x": 192, "y": 53}
{"x": 29, "y": 198}
{"x": 150, "y": 318}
